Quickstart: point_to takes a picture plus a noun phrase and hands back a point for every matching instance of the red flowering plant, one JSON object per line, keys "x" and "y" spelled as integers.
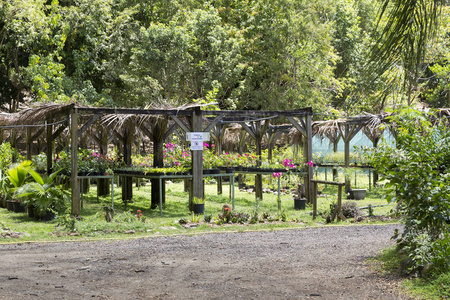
{"x": 140, "y": 216}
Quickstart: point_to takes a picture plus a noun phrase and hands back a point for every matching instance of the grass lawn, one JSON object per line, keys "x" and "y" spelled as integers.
{"x": 126, "y": 223}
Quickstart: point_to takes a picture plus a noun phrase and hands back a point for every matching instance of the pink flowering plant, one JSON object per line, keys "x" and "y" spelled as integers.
{"x": 88, "y": 161}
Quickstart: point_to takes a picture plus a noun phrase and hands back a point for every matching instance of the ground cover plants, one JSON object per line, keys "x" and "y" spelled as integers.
{"x": 140, "y": 220}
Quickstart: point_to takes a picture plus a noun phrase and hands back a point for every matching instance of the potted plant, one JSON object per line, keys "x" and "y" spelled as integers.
{"x": 299, "y": 203}
{"x": 357, "y": 194}
{"x": 198, "y": 206}
{"x": 43, "y": 195}
{"x": 17, "y": 176}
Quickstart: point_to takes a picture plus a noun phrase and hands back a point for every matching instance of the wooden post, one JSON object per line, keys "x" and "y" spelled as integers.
{"x": 127, "y": 186}
{"x": 347, "y": 157}
{"x": 103, "y": 184}
{"x": 314, "y": 199}
{"x": 197, "y": 160}
{"x": 339, "y": 202}
{"x": 308, "y": 158}
{"x": 218, "y": 134}
{"x": 76, "y": 203}
{"x": 337, "y": 210}
{"x": 335, "y": 171}
{"x": 49, "y": 149}
{"x": 258, "y": 177}
{"x": 29, "y": 141}
{"x": 158, "y": 132}
{"x": 13, "y": 144}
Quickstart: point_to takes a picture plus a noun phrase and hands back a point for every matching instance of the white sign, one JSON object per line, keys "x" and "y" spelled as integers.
{"x": 196, "y": 145}
{"x": 197, "y": 136}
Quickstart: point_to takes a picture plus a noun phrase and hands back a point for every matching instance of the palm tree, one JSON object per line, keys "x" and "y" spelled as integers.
{"x": 408, "y": 27}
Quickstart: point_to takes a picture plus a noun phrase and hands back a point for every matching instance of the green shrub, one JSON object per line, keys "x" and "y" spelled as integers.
{"x": 417, "y": 171}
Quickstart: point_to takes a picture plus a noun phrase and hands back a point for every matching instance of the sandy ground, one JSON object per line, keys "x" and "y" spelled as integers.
{"x": 314, "y": 263}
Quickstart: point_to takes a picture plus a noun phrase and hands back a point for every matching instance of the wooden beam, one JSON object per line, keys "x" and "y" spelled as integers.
{"x": 118, "y": 135}
{"x": 249, "y": 130}
{"x": 131, "y": 111}
{"x": 297, "y": 125}
{"x": 260, "y": 113}
{"x": 355, "y": 130}
{"x": 58, "y": 131}
{"x": 169, "y": 131}
{"x": 95, "y": 138}
{"x": 213, "y": 123}
{"x": 37, "y": 134}
{"x": 181, "y": 124}
{"x": 88, "y": 124}
{"x": 146, "y": 131}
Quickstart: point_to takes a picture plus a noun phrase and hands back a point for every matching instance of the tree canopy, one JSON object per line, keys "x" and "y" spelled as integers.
{"x": 238, "y": 54}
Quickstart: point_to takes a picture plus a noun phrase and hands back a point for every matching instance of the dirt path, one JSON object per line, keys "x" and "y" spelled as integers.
{"x": 315, "y": 263}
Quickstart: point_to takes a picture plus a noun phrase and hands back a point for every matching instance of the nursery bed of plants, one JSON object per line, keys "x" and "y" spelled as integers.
{"x": 139, "y": 220}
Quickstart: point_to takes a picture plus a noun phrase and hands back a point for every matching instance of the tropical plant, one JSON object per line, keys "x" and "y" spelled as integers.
{"x": 198, "y": 200}
{"x": 18, "y": 173}
{"x": 417, "y": 170}
{"x": 43, "y": 194}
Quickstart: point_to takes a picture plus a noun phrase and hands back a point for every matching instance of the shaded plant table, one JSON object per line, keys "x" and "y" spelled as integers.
{"x": 97, "y": 177}
{"x": 162, "y": 177}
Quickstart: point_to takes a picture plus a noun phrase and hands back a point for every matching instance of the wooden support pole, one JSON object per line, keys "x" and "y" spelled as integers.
{"x": 335, "y": 171}
{"x": 29, "y": 141}
{"x": 218, "y": 134}
{"x": 158, "y": 186}
{"x": 197, "y": 160}
{"x": 258, "y": 177}
{"x": 127, "y": 186}
{"x": 347, "y": 157}
{"x": 76, "y": 203}
{"x": 49, "y": 149}
{"x": 308, "y": 157}
{"x": 339, "y": 210}
{"x": 314, "y": 200}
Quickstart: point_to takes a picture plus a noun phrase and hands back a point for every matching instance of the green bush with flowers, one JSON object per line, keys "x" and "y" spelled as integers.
{"x": 88, "y": 161}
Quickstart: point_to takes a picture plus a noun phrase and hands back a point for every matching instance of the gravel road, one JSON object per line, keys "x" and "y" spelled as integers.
{"x": 313, "y": 263}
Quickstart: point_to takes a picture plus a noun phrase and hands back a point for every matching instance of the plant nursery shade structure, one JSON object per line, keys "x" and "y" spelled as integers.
{"x": 72, "y": 123}
{"x": 37, "y": 129}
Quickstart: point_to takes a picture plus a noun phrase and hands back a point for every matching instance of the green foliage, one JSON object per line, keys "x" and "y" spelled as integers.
{"x": 195, "y": 218}
{"x": 18, "y": 173}
{"x": 417, "y": 170}
{"x": 6, "y": 155}
{"x": 196, "y": 200}
{"x": 43, "y": 195}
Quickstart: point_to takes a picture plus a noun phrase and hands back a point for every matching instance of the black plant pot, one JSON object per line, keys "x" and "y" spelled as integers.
{"x": 229, "y": 170}
{"x": 49, "y": 215}
{"x": 31, "y": 211}
{"x": 215, "y": 171}
{"x": 206, "y": 171}
{"x": 18, "y": 207}
{"x": 299, "y": 203}
{"x": 199, "y": 209}
{"x": 9, "y": 205}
